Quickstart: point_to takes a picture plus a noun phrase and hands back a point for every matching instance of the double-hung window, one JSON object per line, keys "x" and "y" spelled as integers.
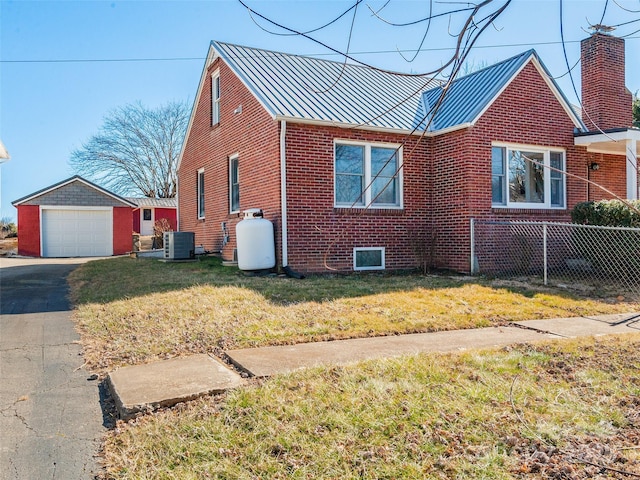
{"x": 527, "y": 177}
{"x": 234, "y": 184}
{"x": 215, "y": 98}
{"x": 367, "y": 174}
{"x": 200, "y": 193}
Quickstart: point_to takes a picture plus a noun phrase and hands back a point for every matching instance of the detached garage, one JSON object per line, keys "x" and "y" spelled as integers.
{"x": 74, "y": 218}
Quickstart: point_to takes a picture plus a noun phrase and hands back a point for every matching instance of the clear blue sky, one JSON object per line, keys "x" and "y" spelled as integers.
{"x": 63, "y": 63}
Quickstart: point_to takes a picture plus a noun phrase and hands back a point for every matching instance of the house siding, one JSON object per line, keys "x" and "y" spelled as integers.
{"x": 122, "y": 230}
{"x": 29, "y": 230}
{"x": 254, "y": 136}
{"x": 168, "y": 213}
{"x": 136, "y": 219}
{"x": 76, "y": 194}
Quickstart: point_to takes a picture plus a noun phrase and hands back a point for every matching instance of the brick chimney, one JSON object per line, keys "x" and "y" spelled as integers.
{"x": 606, "y": 102}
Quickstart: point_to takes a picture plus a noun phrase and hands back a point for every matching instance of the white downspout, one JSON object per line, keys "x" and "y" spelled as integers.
{"x": 283, "y": 190}
{"x": 632, "y": 169}
{"x": 177, "y": 203}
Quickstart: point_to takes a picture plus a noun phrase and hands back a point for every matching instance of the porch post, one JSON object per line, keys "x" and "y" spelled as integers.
{"x": 632, "y": 169}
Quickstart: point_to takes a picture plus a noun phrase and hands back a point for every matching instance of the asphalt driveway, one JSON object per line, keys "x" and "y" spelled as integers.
{"x": 50, "y": 414}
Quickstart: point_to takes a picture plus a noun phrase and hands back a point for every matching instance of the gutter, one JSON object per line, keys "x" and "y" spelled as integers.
{"x": 283, "y": 191}
{"x": 330, "y": 123}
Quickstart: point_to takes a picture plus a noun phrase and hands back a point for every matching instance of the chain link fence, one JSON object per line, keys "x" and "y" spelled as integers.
{"x": 558, "y": 253}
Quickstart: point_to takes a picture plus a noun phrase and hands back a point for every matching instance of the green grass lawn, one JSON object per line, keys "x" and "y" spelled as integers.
{"x": 561, "y": 410}
{"x": 132, "y": 311}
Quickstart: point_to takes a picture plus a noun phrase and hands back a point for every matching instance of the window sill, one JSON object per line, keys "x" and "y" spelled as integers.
{"x": 528, "y": 211}
{"x": 369, "y": 211}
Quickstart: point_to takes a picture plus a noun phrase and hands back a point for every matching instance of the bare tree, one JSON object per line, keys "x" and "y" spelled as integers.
{"x": 136, "y": 150}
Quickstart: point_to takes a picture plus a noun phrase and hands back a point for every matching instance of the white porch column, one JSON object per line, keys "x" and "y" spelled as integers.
{"x": 632, "y": 169}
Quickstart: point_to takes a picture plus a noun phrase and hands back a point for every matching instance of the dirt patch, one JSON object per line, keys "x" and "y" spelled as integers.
{"x": 8, "y": 246}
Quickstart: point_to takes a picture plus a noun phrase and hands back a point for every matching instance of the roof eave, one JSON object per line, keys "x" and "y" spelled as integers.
{"x": 61, "y": 184}
{"x": 548, "y": 79}
{"x": 331, "y": 123}
{"x": 453, "y": 128}
{"x": 611, "y": 142}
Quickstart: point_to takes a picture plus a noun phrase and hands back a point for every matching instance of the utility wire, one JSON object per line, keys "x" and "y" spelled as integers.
{"x": 370, "y": 52}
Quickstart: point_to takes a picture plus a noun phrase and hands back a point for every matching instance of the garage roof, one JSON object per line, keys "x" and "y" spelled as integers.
{"x": 75, "y": 178}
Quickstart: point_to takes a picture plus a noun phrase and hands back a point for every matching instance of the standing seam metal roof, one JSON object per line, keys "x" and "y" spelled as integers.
{"x": 469, "y": 95}
{"x": 306, "y": 88}
{"x": 313, "y": 89}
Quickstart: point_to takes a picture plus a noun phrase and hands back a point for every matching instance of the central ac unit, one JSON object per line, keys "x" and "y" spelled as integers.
{"x": 179, "y": 245}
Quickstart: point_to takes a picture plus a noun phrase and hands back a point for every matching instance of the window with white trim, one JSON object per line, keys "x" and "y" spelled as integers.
{"x": 215, "y": 98}
{"x": 200, "y": 193}
{"x": 368, "y": 258}
{"x": 527, "y": 177}
{"x": 367, "y": 174}
{"x": 234, "y": 184}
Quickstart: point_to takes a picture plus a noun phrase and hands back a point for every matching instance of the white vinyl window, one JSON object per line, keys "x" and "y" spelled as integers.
{"x": 234, "y": 184}
{"x": 527, "y": 177}
{"x": 368, "y": 258}
{"x": 200, "y": 193}
{"x": 215, "y": 98}
{"x": 367, "y": 174}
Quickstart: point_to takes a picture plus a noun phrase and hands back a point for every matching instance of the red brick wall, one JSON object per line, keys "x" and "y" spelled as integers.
{"x": 525, "y": 113}
{"x": 122, "y": 230}
{"x": 322, "y": 236}
{"x": 611, "y": 175}
{"x": 168, "y": 213}
{"x": 29, "y": 230}
{"x": 254, "y": 136}
{"x": 606, "y": 103}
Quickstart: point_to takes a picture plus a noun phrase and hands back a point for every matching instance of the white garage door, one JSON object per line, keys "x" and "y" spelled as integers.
{"x": 77, "y": 233}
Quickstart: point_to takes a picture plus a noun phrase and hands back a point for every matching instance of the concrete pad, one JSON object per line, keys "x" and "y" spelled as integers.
{"x": 162, "y": 384}
{"x": 263, "y": 362}
{"x": 587, "y": 326}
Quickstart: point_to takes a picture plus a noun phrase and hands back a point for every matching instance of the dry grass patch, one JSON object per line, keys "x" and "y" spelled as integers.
{"x": 131, "y": 311}
{"x": 562, "y": 410}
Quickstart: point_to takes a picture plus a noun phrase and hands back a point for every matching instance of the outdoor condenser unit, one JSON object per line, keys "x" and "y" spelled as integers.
{"x": 179, "y": 245}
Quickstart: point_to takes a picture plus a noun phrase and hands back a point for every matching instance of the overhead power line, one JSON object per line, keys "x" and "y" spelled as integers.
{"x": 370, "y": 52}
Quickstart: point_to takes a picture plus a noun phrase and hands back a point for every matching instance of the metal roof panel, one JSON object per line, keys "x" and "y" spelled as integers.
{"x": 315, "y": 89}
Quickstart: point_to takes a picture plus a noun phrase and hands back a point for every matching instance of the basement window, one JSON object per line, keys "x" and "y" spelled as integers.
{"x": 368, "y": 258}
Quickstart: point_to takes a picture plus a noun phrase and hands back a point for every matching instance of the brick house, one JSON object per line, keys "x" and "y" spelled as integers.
{"x": 357, "y": 172}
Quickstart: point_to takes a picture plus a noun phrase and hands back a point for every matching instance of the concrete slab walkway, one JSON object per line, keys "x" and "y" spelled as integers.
{"x": 146, "y": 387}
{"x": 167, "y": 382}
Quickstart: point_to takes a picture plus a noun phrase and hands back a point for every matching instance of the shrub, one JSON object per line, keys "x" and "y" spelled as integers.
{"x": 607, "y": 213}
{"x": 8, "y": 229}
{"x": 159, "y": 227}
{"x": 613, "y": 252}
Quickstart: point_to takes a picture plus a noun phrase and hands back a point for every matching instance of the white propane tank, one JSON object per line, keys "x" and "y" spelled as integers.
{"x": 256, "y": 245}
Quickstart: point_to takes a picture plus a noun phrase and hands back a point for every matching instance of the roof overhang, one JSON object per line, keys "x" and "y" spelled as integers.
{"x": 611, "y": 142}
{"x": 372, "y": 128}
{"x": 75, "y": 178}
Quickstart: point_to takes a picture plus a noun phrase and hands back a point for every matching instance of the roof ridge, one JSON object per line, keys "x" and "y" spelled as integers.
{"x": 311, "y": 57}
